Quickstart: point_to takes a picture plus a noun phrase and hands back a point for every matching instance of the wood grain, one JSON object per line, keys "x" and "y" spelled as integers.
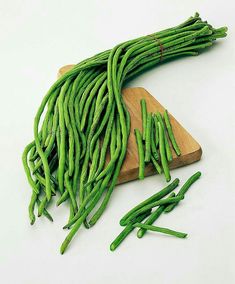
{"x": 190, "y": 149}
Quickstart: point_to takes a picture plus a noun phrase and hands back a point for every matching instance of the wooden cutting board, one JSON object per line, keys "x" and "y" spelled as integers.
{"x": 190, "y": 149}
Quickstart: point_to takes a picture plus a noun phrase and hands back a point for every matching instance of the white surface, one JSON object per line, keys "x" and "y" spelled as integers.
{"x": 38, "y": 37}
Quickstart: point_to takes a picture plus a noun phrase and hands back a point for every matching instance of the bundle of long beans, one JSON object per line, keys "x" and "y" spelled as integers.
{"x": 83, "y": 117}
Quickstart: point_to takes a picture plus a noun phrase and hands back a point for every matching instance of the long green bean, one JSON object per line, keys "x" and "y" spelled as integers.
{"x": 156, "y": 136}
{"x": 84, "y": 118}
{"x": 154, "y": 150}
{"x": 148, "y": 206}
{"x": 167, "y": 145}
{"x": 170, "y": 133}
{"x": 152, "y": 218}
{"x": 156, "y": 165}
{"x": 148, "y": 131}
{"x": 140, "y": 153}
{"x": 160, "y": 230}
{"x": 144, "y": 116}
{"x": 183, "y": 190}
{"x": 157, "y": 196}
{"x": 128, "y": 229}
{"x": 163, "y": 153}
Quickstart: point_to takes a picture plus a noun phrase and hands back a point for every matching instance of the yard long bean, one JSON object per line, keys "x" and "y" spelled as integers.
{"x": 183, "y": 190}
{"x": 74, "y": 127}
{"x": 155, "y": 197}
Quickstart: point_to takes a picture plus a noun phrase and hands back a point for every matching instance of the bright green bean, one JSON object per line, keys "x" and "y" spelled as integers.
{"x": 61, "y": 167}
{"x": 156, "y": 136}
{"x": 79, "y": 221}
{"x": 45, "y": 212}
{"x": 153, "y": 217}
{"x": 160, "y": 230}
{"x": 128, "y": 229}
{"x": 31, "y": 207}
{"x": 148, "y": 138}
{"x": 148, "y": 206}
{"x": 26, "y": 167}
{"x": 163, "y": 153}
{"x": 167, "y": 145}
{"x": 76, "y": 126}
{"x": 157, "y": 196}
{"x": 140, "y": 153}
{"x": 70, "y": 191}
{"x": 70, "y": 132}
{"x": 184, "y": 189}
{"x": 144, "y": 117}
{"x": 42, "y": 206}
{"x": 154, "y": 150}
{"x": 156, "y": 165}
{"x": 105, "y": 201}
{"x": 170, "y": 133}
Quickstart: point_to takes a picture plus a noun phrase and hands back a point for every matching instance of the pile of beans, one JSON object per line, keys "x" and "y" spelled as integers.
{"x": 83, "y": 118}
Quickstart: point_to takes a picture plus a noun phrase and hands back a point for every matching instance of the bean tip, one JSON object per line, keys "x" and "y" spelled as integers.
{"x": 122, "y": 222}
{"x": 112, "y": 247}
{"x": 140, "y": 234}
{"x": 168, "y": 179}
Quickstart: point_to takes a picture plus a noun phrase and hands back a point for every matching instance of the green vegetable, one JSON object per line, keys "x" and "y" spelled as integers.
{"x": 148, "y": 138}
{"x": 156, "y": 165}
{"x": 154, "y": 143}
{"x": 128, "y": 229}
{"x": 163, "y": 153}
{"x": 45, "y": 212}
{"x": 152, "y": 205}
{"x": 170, "y": 133}
{"x": 183, "y": 190}
{"x": 153, "y": 217}
{"x": 160, "y": 230}
{"x": 144, "y": 117}
{"x": 167, "y": 145}
{"x": 31, "y": 207}
{"x": 82, "y": 107}
{"x": 155, "y": 197}
{"x": 156, "y": 137}
{"x": 140, "y": 153}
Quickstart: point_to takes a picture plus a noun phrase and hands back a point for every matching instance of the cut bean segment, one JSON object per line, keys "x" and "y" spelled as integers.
{"x": 144, "y": 116}
{"x": 128, "y": 229}
{"x": 155, "y": 197}
{"x": 148, "y": 138}
{"x": 140, "y": 153}
{"x": 184, "y": 189}
{"x": 162, "y": 150}
{"x": 160, "y": 230}
{"x": 171, "y": 133}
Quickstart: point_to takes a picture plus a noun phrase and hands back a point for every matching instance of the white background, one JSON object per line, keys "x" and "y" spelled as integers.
{"x": 38, "y": 37}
